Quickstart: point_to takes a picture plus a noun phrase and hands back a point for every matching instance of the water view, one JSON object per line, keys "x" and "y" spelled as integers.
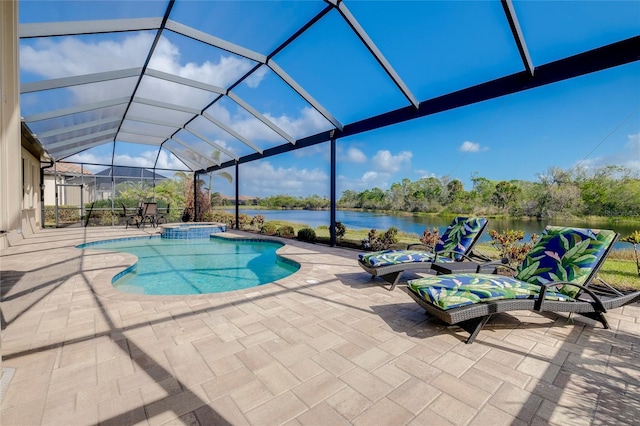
{"x": 417, "y": 224}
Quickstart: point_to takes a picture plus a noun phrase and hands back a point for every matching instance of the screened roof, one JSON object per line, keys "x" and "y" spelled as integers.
{"x": 207, "y": 84}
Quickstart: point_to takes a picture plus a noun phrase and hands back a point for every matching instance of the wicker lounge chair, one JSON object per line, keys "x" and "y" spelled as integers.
{"x": 454, "y": 245}
{"x": 554, "y": 277}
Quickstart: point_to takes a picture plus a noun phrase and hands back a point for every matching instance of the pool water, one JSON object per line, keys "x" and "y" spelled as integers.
{"x": 198, "y": 266}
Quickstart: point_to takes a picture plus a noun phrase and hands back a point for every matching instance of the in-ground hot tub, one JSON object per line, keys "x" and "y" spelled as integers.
{"x": 186, "y": 231}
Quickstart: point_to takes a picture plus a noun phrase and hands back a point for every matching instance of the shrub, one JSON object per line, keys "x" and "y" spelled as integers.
{"x": 244, "y": 221}
{"x": 307, "y": 234}
{"x": 341, "y": 229}
{"x": 65, "y": 213}
{"x": 634, "y": 239}
{"x": 269, "y": 228}
{"x": 510, "y": 246}
{"x": 105, "y": 218}
{"x": 377, "y": 242}
{"x": 256, "y": 222}
{"x": 285, "y": 231}
{"x": 430, "y": 237}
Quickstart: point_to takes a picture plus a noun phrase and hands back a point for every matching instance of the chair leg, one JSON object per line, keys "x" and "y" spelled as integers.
{"x": 392, "y": 278}
{"x": 473, "y": 327}
{"x": 598, "y": 316}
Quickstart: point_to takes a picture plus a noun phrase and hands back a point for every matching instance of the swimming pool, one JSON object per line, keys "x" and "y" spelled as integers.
{"x": 197, "y": 266}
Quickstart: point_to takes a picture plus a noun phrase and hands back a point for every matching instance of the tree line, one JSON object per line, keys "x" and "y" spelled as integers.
{"x": 601, "y": 191}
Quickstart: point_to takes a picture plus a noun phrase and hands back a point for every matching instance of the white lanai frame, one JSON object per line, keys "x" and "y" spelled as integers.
{"x": 127, "y": 25}
{"x": 600, "y": 58}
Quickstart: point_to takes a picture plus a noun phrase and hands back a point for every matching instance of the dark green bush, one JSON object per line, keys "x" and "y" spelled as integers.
{"x": 307, "y": 234}
{"x": 269, "y": 228}
{"x": 377, "y": 242}
{"x": 286, "y": 231}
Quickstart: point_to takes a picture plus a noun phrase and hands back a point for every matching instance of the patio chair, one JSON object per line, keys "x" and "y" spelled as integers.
{"x": 149, "y": 214}
{"x": 455, "y": 245}
{"x": 554, "y": 277}
{"x": 131, "y": 219}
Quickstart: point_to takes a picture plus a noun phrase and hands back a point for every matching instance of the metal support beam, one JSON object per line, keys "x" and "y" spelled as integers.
{"x": 195, "y": 196}
{"x": 507, "y": 5}
{"x": 196, "y": 161}
{"x": 237, "y": 195}
{"x": 332, "y": 226}
{"x": 75, "y": 110}
{"x": 377, "y": 54}
{"x": 67, "y": 28}
{"x": 612, "y": 55}
{"x": 59, "y": 83}
{"x": 82, "y": 126}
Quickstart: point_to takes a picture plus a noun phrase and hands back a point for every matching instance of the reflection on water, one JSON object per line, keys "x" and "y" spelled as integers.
{"x": 417, "y": 224}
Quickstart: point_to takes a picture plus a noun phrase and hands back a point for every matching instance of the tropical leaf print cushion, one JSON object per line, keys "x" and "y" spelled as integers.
{"x": 453, "y": 291}
{"x": 456, "y": 239}
{"x": 562, "y": 254}
{"x": 565, "y": 254}
{"x": 394, "y": 257}
{"x": 459, "y": 236}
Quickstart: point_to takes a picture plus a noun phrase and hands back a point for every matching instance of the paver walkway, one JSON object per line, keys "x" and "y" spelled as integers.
{"x": 325, "y": 346}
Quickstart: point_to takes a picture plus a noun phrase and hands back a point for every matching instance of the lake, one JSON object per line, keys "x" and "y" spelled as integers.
{"x": 417, "y": 224}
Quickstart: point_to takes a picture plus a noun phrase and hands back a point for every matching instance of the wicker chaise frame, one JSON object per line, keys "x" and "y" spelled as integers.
{"x": 473, "y": 317}
{"x": 392, "y": 273}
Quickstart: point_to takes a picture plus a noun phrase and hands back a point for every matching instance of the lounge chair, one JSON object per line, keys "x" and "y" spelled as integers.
{"x": 454, "y": 245}
{"x": 554, "y": 277}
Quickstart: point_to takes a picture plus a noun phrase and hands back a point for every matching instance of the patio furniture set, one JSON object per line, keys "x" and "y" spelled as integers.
{"x": 467, "y": 291}
{"x": 146, "y": 213}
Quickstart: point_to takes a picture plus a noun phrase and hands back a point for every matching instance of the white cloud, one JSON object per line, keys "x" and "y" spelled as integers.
{"x": 468, "y": 146}
{"x": 424, "y": 174}
{"x": 309, "y": 122}
{"x": 169, "y": 161}
{"x": 54, "y": 58}
{"x": 354, "y": 155}
{"x": 368, "y": 180}
{"x": 146, "y": 159}
{"x": 262, "y": 179}
{"x": 387, "y": 162}
{"x": 370, "y": 177}
{"x": 256, "y": 77}
{"x": 628, "y": 157}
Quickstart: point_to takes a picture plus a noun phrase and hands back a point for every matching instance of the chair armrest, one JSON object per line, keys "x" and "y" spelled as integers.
{"x": 473, "y": 257}
{"x": 481, "y": 256}
{"x": 424, "y": 246}
{"x": 543, "y": 291}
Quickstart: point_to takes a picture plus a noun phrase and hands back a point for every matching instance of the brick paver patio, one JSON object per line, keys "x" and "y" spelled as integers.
{"x": 325, "y": 346}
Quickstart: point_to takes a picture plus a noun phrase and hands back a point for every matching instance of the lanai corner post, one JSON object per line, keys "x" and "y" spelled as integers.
{"x": 237, "y": 196}
{"x": 332, "y": 225}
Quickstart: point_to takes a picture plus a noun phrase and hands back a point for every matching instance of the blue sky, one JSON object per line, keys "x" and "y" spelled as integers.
{"x": 435, "y": 47}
